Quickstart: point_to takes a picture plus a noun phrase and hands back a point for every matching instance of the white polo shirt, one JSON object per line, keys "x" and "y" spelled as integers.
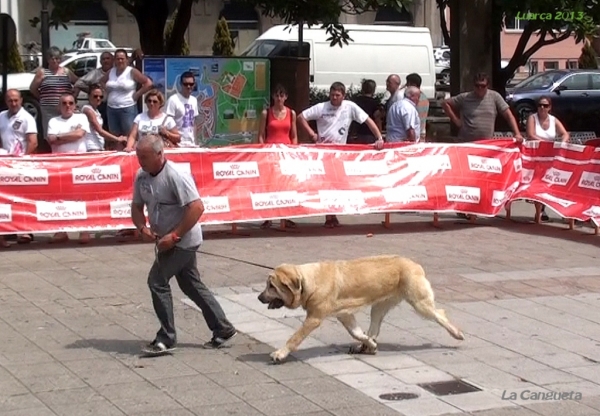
{"x": 14, "y": 130}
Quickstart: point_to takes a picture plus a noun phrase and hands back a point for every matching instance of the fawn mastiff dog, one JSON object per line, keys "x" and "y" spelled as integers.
{"x": 341, "y": 288}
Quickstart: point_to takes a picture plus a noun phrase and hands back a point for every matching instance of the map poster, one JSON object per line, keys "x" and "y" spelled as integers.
{"x": 231, "y": 93}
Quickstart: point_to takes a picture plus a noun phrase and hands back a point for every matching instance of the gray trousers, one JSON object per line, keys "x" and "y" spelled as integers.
{"x": 183, "y": 265}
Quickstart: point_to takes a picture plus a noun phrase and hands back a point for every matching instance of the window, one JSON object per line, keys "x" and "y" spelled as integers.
{"x": 512, "y": 23}
{"x": 533, "y": 68}
{"x": 390, "y": 16}
{"x": 572, "y": 65}
{"x": 84, "y": 65}
{"x": 290, "y": 48}
{"x": 548, "y": 65}
{"x": 576, "y": 82}
{"x": 596, "y": 81}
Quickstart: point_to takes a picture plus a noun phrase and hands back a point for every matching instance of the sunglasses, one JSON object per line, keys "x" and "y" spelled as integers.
{"x": 544, "y": 105}
{"x": 152, "y": 101}
{"x": 188, "y": 84}
{"x": 480, "y": 85}
{"x": 98, "y": 96}
{"x": 68, "y": 103}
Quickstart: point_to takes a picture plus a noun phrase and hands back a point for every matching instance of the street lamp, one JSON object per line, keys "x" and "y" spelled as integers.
{"x": 45, "y": 22}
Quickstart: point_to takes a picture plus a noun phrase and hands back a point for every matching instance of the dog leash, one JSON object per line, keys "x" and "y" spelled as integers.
{"x": 236, "y": 260}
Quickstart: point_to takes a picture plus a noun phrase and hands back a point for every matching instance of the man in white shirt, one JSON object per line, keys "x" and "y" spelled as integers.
{"x": 18, "y": 135}
{"x": 183, "y": 107}
{"x": 392, "y": 85}
{"x": 333, "y": 122}
{"x": 18, "y": 129}
{"x": 403, "y": 123}
{"x": 66, "y": 134}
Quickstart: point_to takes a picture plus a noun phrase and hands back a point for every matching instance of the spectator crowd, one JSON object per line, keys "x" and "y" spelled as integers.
{"x": 114, "y": 120}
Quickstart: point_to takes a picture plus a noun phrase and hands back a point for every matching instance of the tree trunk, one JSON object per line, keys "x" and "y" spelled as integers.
{"x": 443, "y": 22}
{"x": 151, "y": 23}
{"x": 180, "y": 26}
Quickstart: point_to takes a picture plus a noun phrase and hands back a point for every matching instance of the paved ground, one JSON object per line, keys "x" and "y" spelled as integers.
{"x": 73, "y": 318}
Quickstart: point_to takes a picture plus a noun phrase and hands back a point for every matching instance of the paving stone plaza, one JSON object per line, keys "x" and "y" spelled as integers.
{"x": 527, "y": 296}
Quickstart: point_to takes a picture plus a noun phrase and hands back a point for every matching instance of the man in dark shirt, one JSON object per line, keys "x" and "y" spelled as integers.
{"x": 360, "y": 133}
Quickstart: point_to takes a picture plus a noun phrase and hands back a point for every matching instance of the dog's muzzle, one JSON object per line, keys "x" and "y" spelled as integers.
{"x": 273, "y": 303}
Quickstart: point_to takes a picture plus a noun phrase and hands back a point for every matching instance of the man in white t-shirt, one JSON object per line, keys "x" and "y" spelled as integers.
{"x": 333, "y": 122}
{"x": 18, "y": 129}
{"x": 18, "y": 135}
{"x": 66, "y": 133}
{"x": 183, "y": 107}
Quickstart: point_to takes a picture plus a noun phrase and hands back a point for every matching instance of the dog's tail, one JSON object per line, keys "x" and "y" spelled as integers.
{"x": 442, "y": 319}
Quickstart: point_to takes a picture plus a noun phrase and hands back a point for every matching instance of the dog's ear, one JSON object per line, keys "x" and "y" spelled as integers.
{"x": 288, "y": 277}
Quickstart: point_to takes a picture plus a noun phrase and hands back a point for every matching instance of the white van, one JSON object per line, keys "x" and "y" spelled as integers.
{"x": 375, "y": 52}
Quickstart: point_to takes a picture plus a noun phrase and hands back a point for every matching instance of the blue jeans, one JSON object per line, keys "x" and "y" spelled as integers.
{"x": 120, "y": 120}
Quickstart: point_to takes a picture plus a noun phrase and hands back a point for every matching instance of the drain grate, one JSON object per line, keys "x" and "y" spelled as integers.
{"x": 396, "y": 397}
{"x": 448, "y": 388}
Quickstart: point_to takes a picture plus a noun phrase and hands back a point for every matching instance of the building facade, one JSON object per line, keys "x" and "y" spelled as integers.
{"x": 106, "y": 19}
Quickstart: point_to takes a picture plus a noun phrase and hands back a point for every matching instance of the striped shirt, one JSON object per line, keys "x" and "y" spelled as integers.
{"x": 53, "y": 86}
{"x": 423, "y": 110}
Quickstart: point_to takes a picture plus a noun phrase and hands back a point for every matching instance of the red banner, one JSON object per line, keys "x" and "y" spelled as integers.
{"x": 85, "y": 192}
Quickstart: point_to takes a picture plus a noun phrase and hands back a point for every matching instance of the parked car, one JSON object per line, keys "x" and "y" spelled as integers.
{"x": 575, "y": 96}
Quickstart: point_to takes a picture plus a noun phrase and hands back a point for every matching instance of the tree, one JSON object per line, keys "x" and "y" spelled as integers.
{"x": 151, "y": 17}
{"x": 322, "y": 12}
{"x": 223, "y": 43}
{"x": 15, "y": 62}
{"x": 588, "y": 60}
{"x": 552, "y": 20}
{"x": 185, "y": 48}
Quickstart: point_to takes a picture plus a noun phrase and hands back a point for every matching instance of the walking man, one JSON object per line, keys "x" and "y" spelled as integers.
{"x": 174, "y": 208}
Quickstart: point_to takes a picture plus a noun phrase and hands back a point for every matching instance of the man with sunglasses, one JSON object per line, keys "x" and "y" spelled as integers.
{"x": 478, "y": 110}
{"x": 183, "y": 107}
{"x": 66, "y": 134}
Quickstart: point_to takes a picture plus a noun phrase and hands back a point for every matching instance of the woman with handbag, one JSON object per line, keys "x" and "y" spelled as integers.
{"x": 154, "y": 121}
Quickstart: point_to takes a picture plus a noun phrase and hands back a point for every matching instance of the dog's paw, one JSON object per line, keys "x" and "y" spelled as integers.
{"x": 363, "y": 349}
{"x": 279, "y": 356}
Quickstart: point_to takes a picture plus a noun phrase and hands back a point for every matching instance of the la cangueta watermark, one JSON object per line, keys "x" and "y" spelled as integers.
{"x": 564, "y": 16}
{"x": 526, "y": 395}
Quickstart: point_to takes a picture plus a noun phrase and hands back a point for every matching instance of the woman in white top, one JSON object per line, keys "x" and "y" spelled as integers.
{"x": 155, "y": 122}
{"x": 543, "y": 125}
{"x": 121, "y": 87}
{"x": 94, "y": 140}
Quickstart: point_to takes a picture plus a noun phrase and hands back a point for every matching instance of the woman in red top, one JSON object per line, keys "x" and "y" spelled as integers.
{"x": 278, "y": 123}
{"x": 278, "y": 126}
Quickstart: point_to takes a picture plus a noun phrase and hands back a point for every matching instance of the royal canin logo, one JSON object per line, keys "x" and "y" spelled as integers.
{"x": 60, "y": 208}
{"x": 222, "y": 170}
{"x": 590, "y": 180}
{"x": 96, "y": 174}
{"x": 464, "y": 194}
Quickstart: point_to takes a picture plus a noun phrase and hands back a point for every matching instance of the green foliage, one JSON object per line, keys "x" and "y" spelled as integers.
{"x": 317, "y": 95}
{"x": 223, "y": 43}
{"x": 322, "y": 12}
{"x": 62, "y": 13}
{"x": 588, "y": 60}
{"x": 15, "y": 62}
{"x": 185, "y": 48}
{"x": 554, "y": 21}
